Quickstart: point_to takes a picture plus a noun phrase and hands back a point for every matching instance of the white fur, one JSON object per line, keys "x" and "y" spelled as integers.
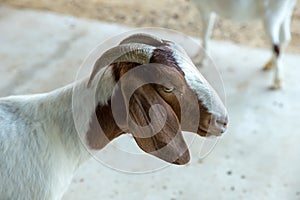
{"x": 205, "y": 93}
{"x": 194, "y": 79}
{"x": 39, "y": 146}
{"x": 275, "y": 15}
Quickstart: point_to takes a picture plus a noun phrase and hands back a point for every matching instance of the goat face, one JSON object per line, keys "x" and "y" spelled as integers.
{"x": 198, "y": 97}
{"x": 158, "y": 100}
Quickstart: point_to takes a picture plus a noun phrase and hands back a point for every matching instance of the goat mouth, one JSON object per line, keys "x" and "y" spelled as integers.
{"x": 207, "y": 133}
{"x": 202, "y": 132}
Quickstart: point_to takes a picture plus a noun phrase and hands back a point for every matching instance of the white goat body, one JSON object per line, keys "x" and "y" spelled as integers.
{"x": 40, "y": 148}
{"x": 275, "y": 15}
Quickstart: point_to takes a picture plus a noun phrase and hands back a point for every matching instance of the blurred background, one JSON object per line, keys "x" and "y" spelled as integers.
{"x": 179, "y": 15}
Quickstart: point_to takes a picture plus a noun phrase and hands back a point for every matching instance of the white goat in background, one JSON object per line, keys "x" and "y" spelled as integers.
{"x": 40, "y": 148}
{"x": 275, "y": 15}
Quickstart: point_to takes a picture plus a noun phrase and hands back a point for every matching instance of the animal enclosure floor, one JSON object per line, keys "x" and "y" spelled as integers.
{"x": 258, "y": 157}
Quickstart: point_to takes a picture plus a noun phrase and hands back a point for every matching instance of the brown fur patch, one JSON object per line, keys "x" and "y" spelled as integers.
{"x": 118, "y": 69}
{"x": 108, "y": 125}
{"x": 164, "y": 55}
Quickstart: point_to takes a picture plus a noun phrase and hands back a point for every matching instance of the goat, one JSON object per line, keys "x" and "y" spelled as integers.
{"x": 275, "y": 15}
{"x": 40, "y": 147}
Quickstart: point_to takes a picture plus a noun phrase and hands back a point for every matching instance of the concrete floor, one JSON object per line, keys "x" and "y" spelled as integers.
{"x": 258, "y": 158}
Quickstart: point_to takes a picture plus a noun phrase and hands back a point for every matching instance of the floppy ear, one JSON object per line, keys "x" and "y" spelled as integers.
{"x": 155, "y": 126}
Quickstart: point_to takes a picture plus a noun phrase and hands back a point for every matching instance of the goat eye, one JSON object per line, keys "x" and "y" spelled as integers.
{"x": 168, "y": 89}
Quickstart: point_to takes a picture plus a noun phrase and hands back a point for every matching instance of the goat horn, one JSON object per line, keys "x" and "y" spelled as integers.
{"x": 152, "y": 41}
{"x": 143, "y": 39}
{"x": 138, "y": 53}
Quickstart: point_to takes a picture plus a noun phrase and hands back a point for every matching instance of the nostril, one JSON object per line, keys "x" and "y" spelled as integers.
{"x": 223, "y": 122}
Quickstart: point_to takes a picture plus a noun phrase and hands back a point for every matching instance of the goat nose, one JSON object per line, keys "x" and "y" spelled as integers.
{"x": 223, "y": 123}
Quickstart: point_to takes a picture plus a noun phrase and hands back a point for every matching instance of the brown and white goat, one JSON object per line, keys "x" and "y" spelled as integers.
{"x": 40, "y": 147}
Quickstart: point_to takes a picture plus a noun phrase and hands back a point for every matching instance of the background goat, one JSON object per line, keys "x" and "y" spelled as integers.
{"x": 275, "y": 15}
{"x": 40, "y": 147}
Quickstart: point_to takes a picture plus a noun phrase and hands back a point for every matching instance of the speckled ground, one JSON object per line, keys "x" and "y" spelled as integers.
{"x": 175, "y": 14}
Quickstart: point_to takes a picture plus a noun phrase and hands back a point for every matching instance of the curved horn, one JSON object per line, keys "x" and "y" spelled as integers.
{"x": 143, "y": 39}
{"x": 138, "y": 53}
{"x": 152, "y": 41}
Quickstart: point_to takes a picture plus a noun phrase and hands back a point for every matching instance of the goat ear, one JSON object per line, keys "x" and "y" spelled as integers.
{"x": 155, "y": 126}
